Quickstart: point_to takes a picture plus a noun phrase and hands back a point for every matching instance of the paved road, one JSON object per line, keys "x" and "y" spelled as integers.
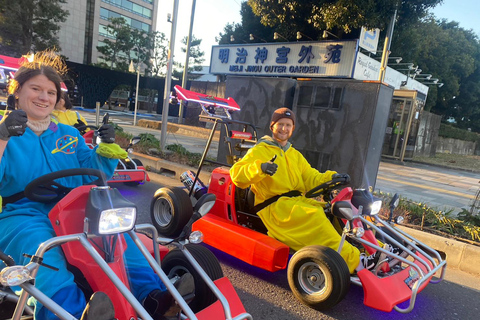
{"x": 267, "y": 295}
{"x": 445, "y": 189}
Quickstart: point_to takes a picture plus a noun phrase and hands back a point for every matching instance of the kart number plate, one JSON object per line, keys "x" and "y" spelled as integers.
{"x": 120, "y": 177}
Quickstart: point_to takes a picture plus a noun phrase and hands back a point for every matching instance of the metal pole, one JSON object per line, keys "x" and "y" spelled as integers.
{"x": 187, "y": 57}
{"x": 386, "y": 47}
{"x": 136, "y": 98}
{"x": 97, "y": 114}
{"x": 168, "y": 78}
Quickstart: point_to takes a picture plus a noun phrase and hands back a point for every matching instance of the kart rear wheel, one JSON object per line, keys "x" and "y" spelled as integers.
{"x": 132, "y": 166}
{"x": 176, "y": 264}
{"x": 170, "y": 211}
{"x": 318, "y": 277}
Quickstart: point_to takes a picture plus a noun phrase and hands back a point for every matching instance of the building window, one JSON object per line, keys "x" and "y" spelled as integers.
{"x": 131, "y": 7}
{"x": 324, "y": 97}
{"x": 106, "y": 14}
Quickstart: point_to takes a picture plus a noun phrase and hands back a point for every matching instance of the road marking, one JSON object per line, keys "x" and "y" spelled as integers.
{"x": 463, "y": 195}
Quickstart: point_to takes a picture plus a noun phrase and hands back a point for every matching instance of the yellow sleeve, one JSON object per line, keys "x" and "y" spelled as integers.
{"x": 311, "y": 176}
{"x": 248, "y": 170}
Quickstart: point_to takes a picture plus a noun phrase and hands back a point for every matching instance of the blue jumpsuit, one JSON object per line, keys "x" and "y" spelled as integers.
{"x": 25, "y": 224}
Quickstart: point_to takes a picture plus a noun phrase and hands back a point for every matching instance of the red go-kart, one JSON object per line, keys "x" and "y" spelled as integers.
{"x": 318, "y": 276}
{"x": 90, "y": 222}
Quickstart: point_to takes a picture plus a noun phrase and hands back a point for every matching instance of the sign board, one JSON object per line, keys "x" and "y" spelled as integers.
{"x": 369, "y": 39}
{"x": 367, "y": 68}
{"x": 290, "y": 59}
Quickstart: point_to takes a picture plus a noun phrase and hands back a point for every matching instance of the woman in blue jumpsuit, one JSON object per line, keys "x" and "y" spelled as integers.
{"x": 32, "y": 145}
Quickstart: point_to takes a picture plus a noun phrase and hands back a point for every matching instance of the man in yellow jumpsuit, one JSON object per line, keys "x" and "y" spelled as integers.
{"x": 273, "y": 167}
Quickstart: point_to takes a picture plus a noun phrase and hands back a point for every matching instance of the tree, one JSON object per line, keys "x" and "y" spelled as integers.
{"x": 116, "y": 50}
{"x": 30, "y": 25}
{"x": 341, "y": 16}
{"x": 452, "y": 55}
{"x": 195, "y": 58}
{"x": 159, "y": 54}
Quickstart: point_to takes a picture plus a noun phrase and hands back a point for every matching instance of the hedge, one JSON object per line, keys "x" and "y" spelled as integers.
{"x": 448, "y": 131}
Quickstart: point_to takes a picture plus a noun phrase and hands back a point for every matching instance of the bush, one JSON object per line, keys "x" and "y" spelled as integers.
{"x": 448, "y": 131}
{"x": 465, "y": 226}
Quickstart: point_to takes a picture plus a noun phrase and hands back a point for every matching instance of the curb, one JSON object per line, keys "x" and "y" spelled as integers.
{"x": 459, "y": 255}
{"x": 179, "y": 128}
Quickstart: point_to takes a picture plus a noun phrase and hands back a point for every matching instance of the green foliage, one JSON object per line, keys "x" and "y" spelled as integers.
{"x": 30, "y": 25}
{"x": 448, "y": 131}
{"x": 196, "y": 58}
{"x": 464, "y": 225}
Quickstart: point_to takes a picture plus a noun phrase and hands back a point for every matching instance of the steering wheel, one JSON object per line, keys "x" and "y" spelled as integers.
{"x": 44, "y": 189}
{"x": 325, "y": 187}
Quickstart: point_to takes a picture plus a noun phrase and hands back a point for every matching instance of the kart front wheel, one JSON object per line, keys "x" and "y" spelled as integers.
{"x": 318, "y": 277}
{"x": 176, "y": 264}
{"x": 170, "y": 211}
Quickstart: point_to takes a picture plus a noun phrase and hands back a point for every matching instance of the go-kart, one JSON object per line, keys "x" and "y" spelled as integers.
{"x": 90, "y": 222}
{"x": 318, "y": 276}
{"x": 130, "y": 171}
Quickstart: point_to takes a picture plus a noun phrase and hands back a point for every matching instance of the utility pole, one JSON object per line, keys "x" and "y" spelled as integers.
{"x": 386, "y": 47}
{"x": 185, "y": 69}
{"x": 168, "y": 77}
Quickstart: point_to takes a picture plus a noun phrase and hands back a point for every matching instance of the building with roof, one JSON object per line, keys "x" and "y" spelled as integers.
{"x": 85, "y": 27}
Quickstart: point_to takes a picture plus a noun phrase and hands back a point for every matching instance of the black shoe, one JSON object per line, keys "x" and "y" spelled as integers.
{"x": 161, "y": 303}
{"x": 99, "y": 307}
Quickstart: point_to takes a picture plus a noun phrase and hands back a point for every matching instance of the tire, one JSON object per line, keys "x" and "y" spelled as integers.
{"x": 176, "y": 264}
{"x": 318, "y": 277}
{"x": 134, "y": 183}
{"x": 170, "y": 211}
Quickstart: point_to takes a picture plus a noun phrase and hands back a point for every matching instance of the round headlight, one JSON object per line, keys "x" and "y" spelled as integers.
{"x": 399, "y": 219}
{"x": 14, "y": 276}
{"x": 358, "y": 232}
{"x": 196, "y": 237}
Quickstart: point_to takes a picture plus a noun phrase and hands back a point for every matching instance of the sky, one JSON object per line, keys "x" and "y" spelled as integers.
{"x": 211, "y": 16}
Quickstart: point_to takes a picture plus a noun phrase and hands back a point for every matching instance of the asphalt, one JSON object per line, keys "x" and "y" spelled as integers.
{"x": 459, "y": 255}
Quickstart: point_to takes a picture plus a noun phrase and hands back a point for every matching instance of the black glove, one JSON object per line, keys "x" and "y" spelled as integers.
{"x": 106, "y": 133}
{"x": 270, "y": 167}
{"x": 12, "y": 124}
{"x": 81, "y": 126}
{"x": 344, "y": 176}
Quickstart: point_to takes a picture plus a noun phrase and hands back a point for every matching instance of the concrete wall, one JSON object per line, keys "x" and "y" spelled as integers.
{"x": 455, "y": 146}
{"x": 426, "y": 143}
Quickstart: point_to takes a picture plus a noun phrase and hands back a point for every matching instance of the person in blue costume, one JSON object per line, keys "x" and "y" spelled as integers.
{"x": 33, "y": 144}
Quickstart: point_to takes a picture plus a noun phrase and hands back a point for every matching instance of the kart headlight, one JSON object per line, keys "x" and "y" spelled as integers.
{"x": 196, "y": 237}
{"x": 130, "y": 150}
{"x": 375, "y": 207}
{"x": 399, "y": 219}
{"x": 358, "y": 232}
{"x": 108, "y": 212}
{"x": 14, "y": 276}
{"x": 118, "y": 220}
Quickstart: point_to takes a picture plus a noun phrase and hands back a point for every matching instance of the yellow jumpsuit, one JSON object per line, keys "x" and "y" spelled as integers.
{"x": 68, "y": 117}
{"x": 295, "y": 221}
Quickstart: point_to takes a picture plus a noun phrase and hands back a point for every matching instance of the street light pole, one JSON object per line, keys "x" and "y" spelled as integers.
{"x": 185, "y": 69}
{"x": 132, "y": 69}
{"x": 168, "y": 77}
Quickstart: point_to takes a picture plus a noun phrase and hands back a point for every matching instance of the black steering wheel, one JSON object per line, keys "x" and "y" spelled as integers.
{"x": 44, "y": 189}
{"x": 325, "y": 187}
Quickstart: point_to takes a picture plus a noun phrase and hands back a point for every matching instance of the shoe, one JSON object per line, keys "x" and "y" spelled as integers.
{"x": 399, "y": 252}
{"x": 161, "y": 303}
{"x": 99, "y": 307}
{"x": 374, "y": 260}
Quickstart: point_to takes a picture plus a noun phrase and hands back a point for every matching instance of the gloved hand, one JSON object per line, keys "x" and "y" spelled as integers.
{"x": 344, "y": 176}
{"x": 106, "y": 133}
{"x": 270, "y": 167}
{"x": 12, "y": 124}
{"x": 81, "y": 126}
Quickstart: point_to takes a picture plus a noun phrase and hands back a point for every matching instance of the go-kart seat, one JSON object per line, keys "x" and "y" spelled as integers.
{"x": 245, "y": 214}
{"x": 250, "y": 199}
